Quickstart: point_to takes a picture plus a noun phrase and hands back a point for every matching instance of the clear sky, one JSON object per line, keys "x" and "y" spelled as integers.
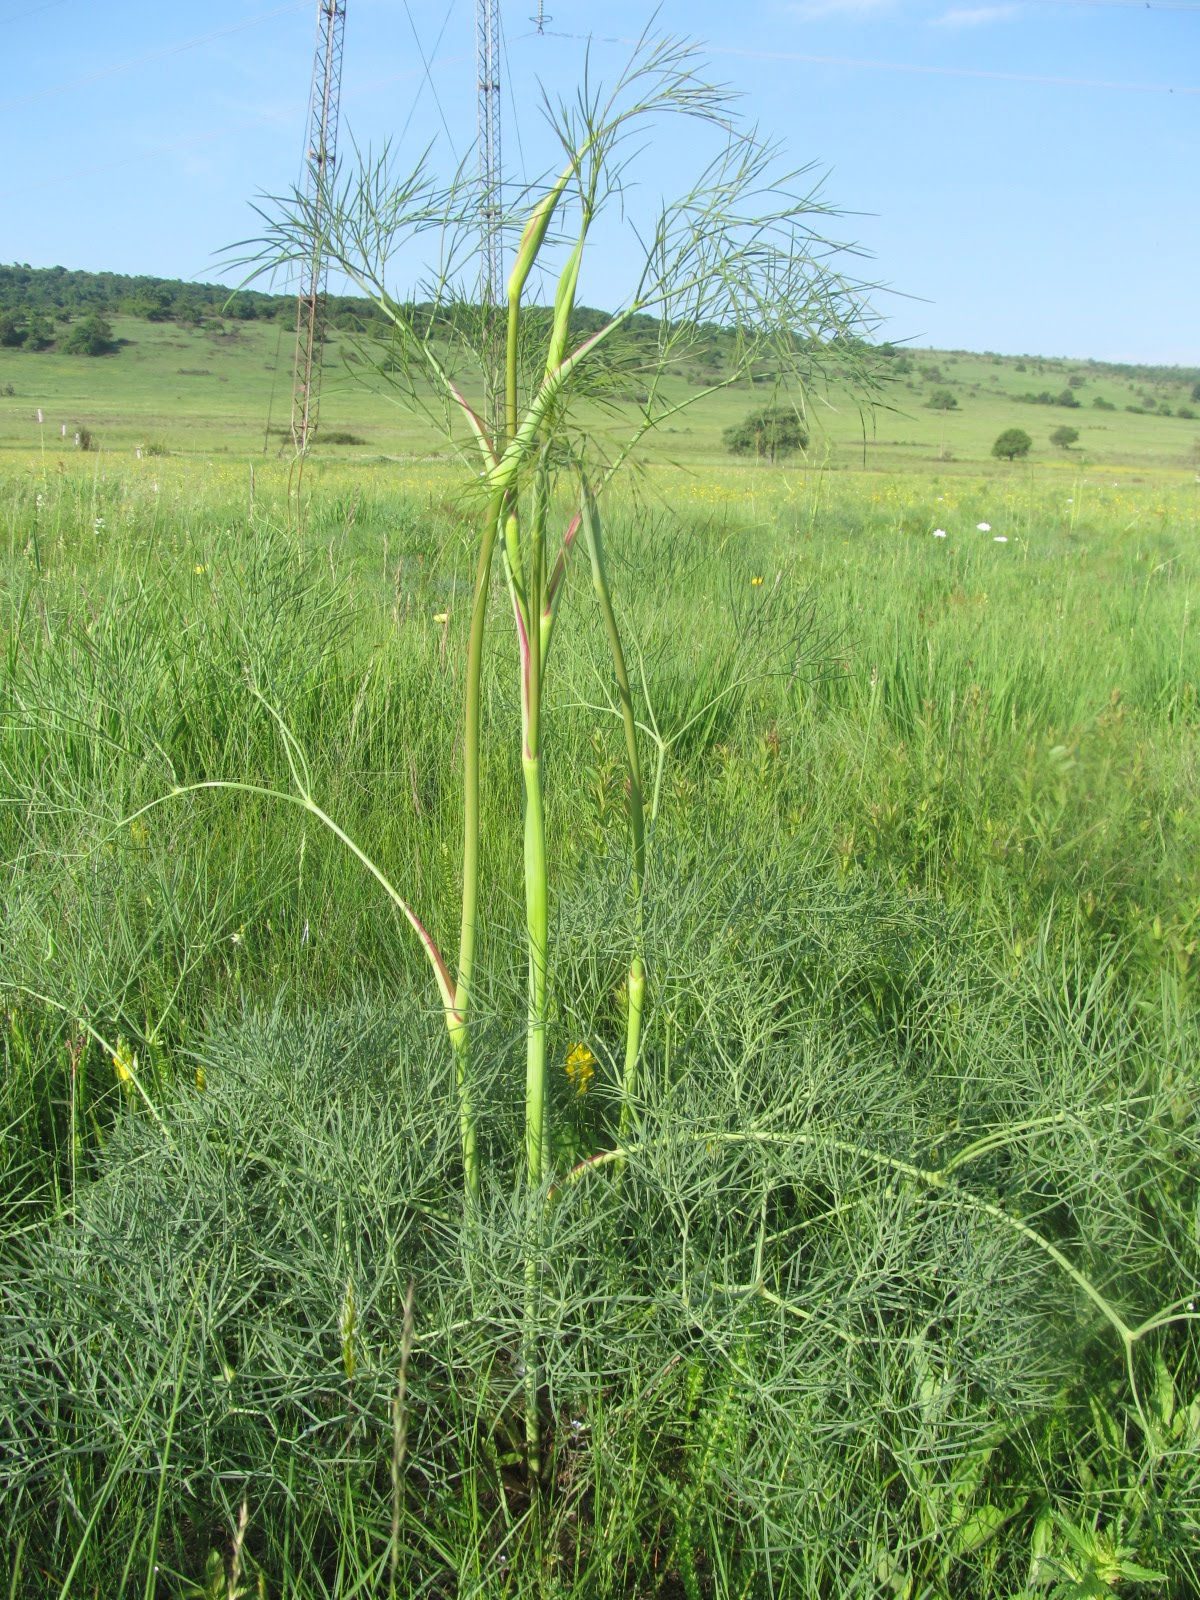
{"x": 1025, "y": 175}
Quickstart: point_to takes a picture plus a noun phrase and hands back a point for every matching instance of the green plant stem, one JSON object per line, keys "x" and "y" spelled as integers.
{"x": 459, "y": 1032}
{"x": 537, "y": 1130}
{"x": 510, "y": 362}
{"x": 537, "y": 1125}
{"x": 636, "y": 982}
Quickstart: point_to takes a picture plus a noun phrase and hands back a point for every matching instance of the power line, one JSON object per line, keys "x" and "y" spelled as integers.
{"x": 952, "y": 72}
{"x": 145, "y": 153}
{"x": 514, "y": 100}
{"x": 24, "y": 16}
{"x": 1129, "y": 5}
{"x": 155, "y": 55}
{"x": 149, "y": 152}
{"x": 904, "y": 66}
{"x": 428, "y": 76}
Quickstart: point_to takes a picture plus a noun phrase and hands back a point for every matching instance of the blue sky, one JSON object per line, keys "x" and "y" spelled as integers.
{"x": 1020, "y": 173}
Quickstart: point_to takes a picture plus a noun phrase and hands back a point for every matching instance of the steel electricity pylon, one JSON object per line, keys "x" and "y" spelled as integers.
{"x": 491, "y": 195}
{"x": 319, "y": 165}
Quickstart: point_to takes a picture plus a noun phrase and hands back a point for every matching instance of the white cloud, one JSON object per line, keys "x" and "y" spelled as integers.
{"x": 975, "y": 16}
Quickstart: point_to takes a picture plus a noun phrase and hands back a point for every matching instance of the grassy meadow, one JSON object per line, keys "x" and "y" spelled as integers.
{"x": 893, "y": 1291}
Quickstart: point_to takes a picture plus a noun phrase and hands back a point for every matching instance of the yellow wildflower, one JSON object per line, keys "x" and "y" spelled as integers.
{"x": 756, "y": 583}
{"x": 125, "y": 1061}
{"x": 198, "y": 569}
{"x": 201, "y": 1079}
{"x": 581, "y": 1067}
{"x": 441, "y": 616}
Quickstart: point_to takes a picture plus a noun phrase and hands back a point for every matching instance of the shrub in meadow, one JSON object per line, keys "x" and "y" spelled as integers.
{"x": 92, "y": 336}
{"x": 769, "y": 434}
{"x": 1011, "y": 444}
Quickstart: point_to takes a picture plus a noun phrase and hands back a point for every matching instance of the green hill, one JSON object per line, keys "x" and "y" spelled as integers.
{"x": 187, "y": 369}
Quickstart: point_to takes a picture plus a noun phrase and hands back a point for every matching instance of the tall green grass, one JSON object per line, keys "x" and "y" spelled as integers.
{"x": 921, "y": 903}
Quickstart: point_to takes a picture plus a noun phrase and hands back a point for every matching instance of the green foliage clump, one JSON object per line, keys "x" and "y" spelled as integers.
{"x": 775, "y": 431}
{"x": 1064, "y": 437}
{"x": 943, "y": 400}
{"x": 91, "y": 336}
{"x": 1013, "y": 442}
{"x": 30, "y": 331}
{"x": 803, "y": 1278}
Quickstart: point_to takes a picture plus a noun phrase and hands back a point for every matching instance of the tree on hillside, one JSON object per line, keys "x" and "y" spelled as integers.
{"x": 943, "y": 400}
{"x": 1064, "y": 437}
{"x": 92, "y": 336}
{"x": 1067, "y": 398}
{"x": 39, "y": 333}
{"x": 775, "y": 431}
{"x": 1013, "y": 442}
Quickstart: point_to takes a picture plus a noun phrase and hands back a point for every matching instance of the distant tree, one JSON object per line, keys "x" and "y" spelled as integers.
{"x": 1075, "y": 381}
{"x": 1064, "y": 437}
{"x": 1186, "y": 413}
{"x": 155, "y": 303}
{"x": 1013, "y": 442}
{"x": 943, "y": 400}
{"x": 91, "y": 336}
{"x": 776, "y": 431}
{"x": 12, "y": 334}
{"x": 1067, "y": 398}
{"x": 1101, "y": 404}
{"x": 39, "y": 333}
{"x": 1196, "y": 392}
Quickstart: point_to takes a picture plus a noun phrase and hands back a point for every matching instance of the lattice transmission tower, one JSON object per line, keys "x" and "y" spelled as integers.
{"x": 319, "y": 165}
{"x": 491, "y": 195}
